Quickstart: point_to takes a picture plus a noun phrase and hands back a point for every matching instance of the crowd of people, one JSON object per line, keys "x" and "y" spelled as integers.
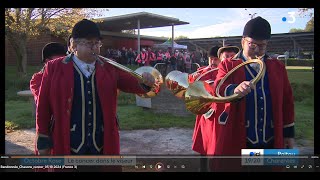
{"x": 180, "y": 60}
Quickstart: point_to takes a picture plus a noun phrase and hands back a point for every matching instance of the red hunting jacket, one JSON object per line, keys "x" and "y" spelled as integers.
{"x": 56, "y": 97}
{"x": 203, "y": 134}
{"x": 231, "y": 135}
{"x": 35, "y": 83}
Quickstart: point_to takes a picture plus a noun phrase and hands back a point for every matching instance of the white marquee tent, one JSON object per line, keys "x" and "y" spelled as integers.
{"x": 168, "y": 44}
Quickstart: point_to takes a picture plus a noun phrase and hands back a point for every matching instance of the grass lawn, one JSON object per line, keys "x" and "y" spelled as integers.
{"x": 298, "y": 68}
{"x": 18, "y": 110}
{"x": 133, "y": 117}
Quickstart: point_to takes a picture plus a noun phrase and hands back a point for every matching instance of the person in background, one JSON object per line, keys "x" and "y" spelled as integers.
{"x": 213, "y": 63}
{"x": 227, "y": 51}
{"x": 187, "y": 62}
{"x": 204, "y": 134}
{"x": 142, "y": 58}
{"x": 50, "y": 51}
{"x": 151, "y": 57}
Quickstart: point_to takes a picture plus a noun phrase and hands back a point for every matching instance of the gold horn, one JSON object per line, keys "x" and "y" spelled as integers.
{"x": 177, "y": 82}
{"x": 198, "y": 99}
{"x": 138, "y": 74}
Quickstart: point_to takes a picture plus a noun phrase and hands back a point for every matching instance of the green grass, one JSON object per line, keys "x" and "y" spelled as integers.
{"x": 133, "y": 117}
{"x": 304, "y": 121}
{"x": 301, "y": 77}
{"x": 307, "y": 68}
{"x": 18, "y": 110}
{"x": 302, "y": 83}
{"x": 126, "y": 99}
{"x": 19, "y": 115}
{"x": 14, "y": 84}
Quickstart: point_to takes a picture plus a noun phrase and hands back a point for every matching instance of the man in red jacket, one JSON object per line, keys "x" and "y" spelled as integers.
{"x": 264, "y": 116}
{"x": 203, "y": 135}
{"x": 50, "y": 51}
{"x": 80, "y": 92}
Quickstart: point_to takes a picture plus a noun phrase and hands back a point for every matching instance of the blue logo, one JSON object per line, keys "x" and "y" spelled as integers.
{"x": 284, "y": 19}
{"x": 254, "y": 153}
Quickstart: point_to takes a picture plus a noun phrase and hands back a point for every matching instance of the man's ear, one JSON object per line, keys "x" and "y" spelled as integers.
{"x": 73, "y": 45}
{"x": 242, "y": 42}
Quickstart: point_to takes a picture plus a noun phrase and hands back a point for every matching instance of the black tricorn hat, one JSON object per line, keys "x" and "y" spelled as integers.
{"x": 53, "y": 49}
{"x": 213, "y": 52}
{"x": 257, "y": 28}
{"x": 86, "y": 29}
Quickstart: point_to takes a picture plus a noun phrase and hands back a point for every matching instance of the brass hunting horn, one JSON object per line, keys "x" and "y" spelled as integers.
{"x": 138, "y": 74}
{"x": 198, "y": 99}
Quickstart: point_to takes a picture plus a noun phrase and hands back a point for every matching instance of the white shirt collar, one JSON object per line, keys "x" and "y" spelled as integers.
{"x": 85, "y": 68}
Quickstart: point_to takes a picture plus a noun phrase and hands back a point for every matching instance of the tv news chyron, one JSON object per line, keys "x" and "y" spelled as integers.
{"x": 250, "y": 160}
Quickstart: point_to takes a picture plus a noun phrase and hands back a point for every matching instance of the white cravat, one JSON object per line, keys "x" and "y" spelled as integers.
{"x": 85, "y": 68}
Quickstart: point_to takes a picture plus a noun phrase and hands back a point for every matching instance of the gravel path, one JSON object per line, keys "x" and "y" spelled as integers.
{"x": 161, "y": 141}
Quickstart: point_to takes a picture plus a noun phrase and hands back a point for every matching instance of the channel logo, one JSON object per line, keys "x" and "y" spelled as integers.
{"x": 252, "y": 157}
{"x": 252, "y": 152}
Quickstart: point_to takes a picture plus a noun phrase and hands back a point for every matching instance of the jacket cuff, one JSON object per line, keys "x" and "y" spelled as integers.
{"x": 230, "y": 89}
{"x": 145, "y": 87}
{"x": 288, "y": 132}
{"x": 44, "y": 142}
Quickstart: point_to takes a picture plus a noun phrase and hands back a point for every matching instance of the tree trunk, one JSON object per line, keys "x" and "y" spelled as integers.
{"x": 18, "y": 43}
{"x": 24, "y": 59}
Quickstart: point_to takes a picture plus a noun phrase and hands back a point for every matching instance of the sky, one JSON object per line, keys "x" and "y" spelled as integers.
{"x": 213, "y": 22}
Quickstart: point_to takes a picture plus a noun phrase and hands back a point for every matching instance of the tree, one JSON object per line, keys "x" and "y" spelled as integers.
{"x": 304, "y": 11}
{"x": 310, "y": 25}
{"x": 295, "y": 30}
{"x": 21, "y": 24}
{"x": 308, "y": 12}
{"x": 181, "y": 37}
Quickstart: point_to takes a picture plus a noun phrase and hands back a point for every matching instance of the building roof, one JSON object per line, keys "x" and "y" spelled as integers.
{"x": 279, "y": 43}
{"x": 130, "y": 21}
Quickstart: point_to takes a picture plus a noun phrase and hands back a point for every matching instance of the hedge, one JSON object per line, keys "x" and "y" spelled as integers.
{"x": 299, "y": 62}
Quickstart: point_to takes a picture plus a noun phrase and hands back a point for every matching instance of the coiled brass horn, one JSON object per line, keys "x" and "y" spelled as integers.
{"x": 177, "y": 82}
{"x": 155, "y": 89}
{"x": 198, "y": 99}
